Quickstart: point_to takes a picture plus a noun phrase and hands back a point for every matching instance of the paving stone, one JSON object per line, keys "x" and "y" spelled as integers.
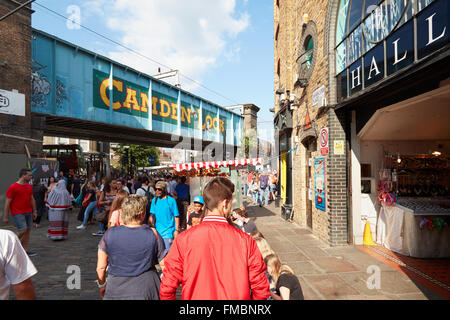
{"x": 334, "y": 265}
{"x": 330, "y": 286}
{"x": 304, "y": 267}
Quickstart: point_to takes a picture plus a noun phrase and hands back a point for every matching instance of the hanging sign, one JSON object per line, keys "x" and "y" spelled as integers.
{"x": 307, "y": 124}
{"x": 12, "y": 103}
{"x": 319, "y": 177}
{"x": 323, "y": 139}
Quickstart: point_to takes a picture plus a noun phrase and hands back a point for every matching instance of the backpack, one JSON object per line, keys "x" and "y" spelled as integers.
{"x": 263, "y": 180}
{"x": 149, "y": 197}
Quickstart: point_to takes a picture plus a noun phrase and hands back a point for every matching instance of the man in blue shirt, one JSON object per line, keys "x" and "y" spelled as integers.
{"x": 165, "y": 211}
{"x": 182, "y": 194}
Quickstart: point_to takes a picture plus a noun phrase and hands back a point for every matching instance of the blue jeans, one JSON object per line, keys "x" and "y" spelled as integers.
{"x": 255, "y": 196}
{"x": 23, "y": 221}
{"x": 264, "y": 194}
{"x": 245, "y": 189}
{"x": 92, "y": 207}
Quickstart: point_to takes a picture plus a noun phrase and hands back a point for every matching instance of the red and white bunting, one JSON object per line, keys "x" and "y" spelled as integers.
{"x": 217, "y": 164}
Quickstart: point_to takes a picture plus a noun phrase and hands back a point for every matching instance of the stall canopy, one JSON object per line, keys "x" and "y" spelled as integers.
{"x": 217, "y": 164}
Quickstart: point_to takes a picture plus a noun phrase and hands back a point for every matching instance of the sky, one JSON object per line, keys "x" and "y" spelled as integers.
{"x": 223, "y": 45}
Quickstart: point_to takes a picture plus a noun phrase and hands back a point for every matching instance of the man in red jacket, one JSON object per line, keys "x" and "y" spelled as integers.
{"x": 214, "y": 260}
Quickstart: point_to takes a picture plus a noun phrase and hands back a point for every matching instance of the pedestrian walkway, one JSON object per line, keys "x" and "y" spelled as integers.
{"x": 333, "y": 273}
{"x": 325, "y": 273}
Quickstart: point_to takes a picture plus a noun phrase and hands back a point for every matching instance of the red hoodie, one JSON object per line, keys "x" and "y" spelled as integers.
{"x": 214, "y": 261}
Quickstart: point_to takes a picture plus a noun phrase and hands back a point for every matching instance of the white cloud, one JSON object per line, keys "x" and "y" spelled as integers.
{"x": 187, "y": 35}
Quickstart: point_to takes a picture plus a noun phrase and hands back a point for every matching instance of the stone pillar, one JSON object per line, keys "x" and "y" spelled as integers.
{"x": 250, "y": 114}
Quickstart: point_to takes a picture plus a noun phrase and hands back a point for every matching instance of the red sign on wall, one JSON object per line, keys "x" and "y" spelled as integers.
{"x": 323, "y": 140}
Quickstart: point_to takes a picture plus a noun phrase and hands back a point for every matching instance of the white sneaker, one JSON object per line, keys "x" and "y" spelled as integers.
{"x": 80, "y": 227}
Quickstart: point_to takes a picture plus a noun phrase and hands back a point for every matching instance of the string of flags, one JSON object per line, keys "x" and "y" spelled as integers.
{"x": 217, "y": 164}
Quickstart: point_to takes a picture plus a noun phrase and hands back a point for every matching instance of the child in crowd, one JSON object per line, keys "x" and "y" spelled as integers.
{"x": 195, "y": 212}
{"x": 243, "y": 221}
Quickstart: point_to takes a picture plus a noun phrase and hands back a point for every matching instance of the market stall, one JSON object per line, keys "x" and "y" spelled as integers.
{"x": 404, "y": 161}
{"x": 200, "y": 173}
{"x": 414, "y": 216}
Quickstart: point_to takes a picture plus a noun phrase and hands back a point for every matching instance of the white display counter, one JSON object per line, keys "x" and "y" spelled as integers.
{"x": 398, "y": 229}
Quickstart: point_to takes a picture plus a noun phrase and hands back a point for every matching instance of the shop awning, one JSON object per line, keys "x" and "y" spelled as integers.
{"x": 425, "y": 117}
{"x": 217, "y": 164}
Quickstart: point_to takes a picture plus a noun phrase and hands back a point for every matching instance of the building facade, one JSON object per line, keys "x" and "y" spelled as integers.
{"x": 352, "y": 79}
{"x": 17, "y": 128}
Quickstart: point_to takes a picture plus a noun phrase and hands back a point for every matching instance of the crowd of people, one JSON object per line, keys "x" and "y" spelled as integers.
{"x": 261, "y": 186}
{"x": 154, "y": 238}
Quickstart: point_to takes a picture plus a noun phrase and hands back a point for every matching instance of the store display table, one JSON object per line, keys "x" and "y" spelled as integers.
{"x": 398, "y": 229}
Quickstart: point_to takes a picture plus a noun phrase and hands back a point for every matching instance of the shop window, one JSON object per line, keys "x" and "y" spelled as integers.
{"x": 363, "y": 24}
{"x": 397, "y": 9}
{"x": 354, "y": 17}
{"x": 370, "y": 6}
{"x": 307, "y": 56}
{"x": 422, "y": 4}
{"x": 375, "y": 25}
{"x": 341, "y": 57}
{"x": 305, "y": 60}
{"x": 342, "y": 20}
{"x": 355, "y": 45}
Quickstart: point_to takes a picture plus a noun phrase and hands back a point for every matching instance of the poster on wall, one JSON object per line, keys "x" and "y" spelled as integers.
{"x": 319, "y": 186}
{"x": 283, "y": 177}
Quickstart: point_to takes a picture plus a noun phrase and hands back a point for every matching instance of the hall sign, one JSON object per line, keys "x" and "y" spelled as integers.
{"x": 132, "y": 99}
{"x": 398, "y": 50}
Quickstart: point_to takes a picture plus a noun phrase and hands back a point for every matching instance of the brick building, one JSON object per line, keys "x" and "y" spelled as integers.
{"x": 302, "y": 83}
{"x": 19, "y": 132}
{"x": 15, "y": 74}
{"x": 341, "y": 68}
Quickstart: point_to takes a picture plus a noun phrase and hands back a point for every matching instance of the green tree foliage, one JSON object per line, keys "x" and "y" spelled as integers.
{"x": 136, "y": 156}
{"x": 249, "y": 144}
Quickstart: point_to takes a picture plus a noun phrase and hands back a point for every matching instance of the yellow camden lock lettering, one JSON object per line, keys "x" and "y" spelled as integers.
{"x": 145, "y": 101}
{"x": 165, "y": 108}
{"x": 154, "y": 104}
{"x": 131, "y": 100}
{"x": 103, "y": 88}
{"x": 174, "y": 115}
{"x": 185, "y": 114}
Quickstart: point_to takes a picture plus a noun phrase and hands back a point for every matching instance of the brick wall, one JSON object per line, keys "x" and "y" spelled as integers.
{"x": 15, "y": 51}
{"x": 331, "y": 225}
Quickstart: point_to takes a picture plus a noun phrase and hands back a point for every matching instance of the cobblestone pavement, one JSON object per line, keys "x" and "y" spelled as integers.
{"x": 325, "y": 273}
{"x": 55, "y": 257}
